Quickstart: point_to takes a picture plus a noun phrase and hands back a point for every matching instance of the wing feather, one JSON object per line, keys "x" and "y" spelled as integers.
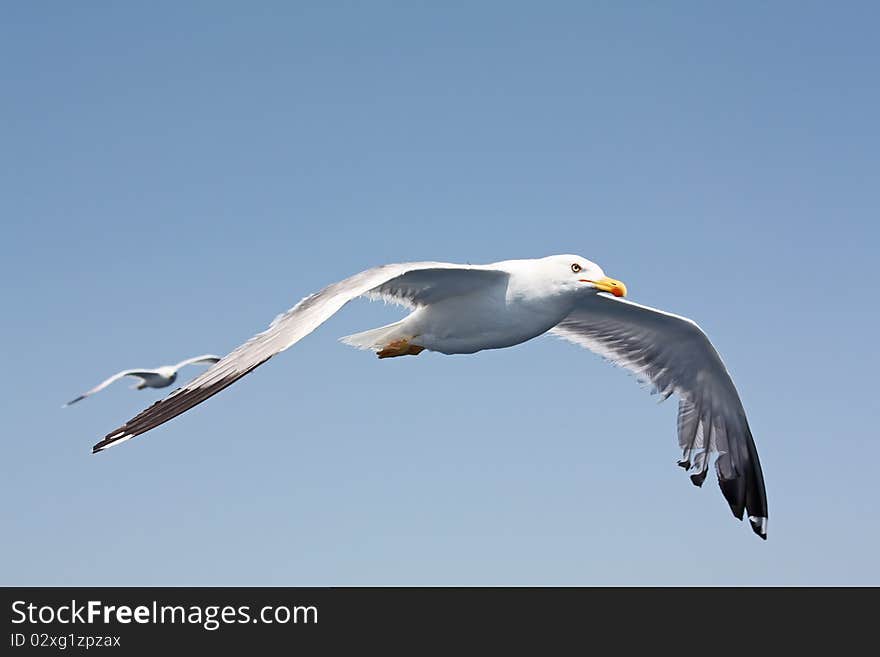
{"x": 673, "y": 355}
{"x": 196, "y": 360}
{"x": 106, "y": 382}
{"x": 406, "y": 283}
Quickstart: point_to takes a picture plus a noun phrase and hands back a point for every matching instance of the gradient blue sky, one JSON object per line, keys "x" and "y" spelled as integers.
{"x": 175, "y": 174}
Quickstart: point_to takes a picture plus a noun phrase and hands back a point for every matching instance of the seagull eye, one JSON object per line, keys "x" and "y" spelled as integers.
{"x": 575, "y": 267}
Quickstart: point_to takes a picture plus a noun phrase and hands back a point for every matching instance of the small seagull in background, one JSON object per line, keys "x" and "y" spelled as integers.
{"x": 161, "y": 377}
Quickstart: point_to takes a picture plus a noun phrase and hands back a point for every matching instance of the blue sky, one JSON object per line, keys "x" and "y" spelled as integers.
{"x": 176, "y": 174}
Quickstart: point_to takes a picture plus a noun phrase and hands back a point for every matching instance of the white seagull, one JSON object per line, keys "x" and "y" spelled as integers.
{"x": 463, "y": 309}
{"x": 161, "y": 377}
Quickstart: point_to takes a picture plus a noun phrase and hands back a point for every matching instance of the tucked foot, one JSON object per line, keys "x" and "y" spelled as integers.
{"x": 400, "y": 348}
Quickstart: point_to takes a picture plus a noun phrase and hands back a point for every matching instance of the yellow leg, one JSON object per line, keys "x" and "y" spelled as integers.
{"x": 400, "y": 348}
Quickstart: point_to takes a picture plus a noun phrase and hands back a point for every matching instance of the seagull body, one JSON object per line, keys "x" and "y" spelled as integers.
{"x": 510, "y": 304}
{"x": 463, "y": 309}
{"x": 160, "y": 377}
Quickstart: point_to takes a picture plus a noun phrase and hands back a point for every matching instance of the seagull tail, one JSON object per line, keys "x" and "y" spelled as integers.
{"x": 374, "y": 339}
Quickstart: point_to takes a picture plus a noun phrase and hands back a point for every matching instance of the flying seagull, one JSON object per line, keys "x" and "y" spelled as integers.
{"x": 161, "y": 377}
{"x": 463, "y": 309}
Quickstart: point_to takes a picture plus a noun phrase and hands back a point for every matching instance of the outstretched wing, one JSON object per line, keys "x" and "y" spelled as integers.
{"x": 108, "y": 381}
{"x": 410, "y": 284}
{"x": 195, "y": 360}
{"x": 674, "y": 355}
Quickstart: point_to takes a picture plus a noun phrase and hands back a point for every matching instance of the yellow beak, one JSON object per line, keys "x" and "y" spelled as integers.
{"x": 617, "y": 288}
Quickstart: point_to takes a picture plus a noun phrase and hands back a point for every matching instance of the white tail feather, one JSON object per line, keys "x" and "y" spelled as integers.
{"x": 374, "y": 339}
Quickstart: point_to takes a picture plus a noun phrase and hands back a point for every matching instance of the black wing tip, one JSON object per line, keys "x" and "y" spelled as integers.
{"x": 734, "y": 491}
{"x": 162, "y": 411}
{"x": 735, "y": 494}
{"x": 97, "y": 448}
{"x": 759, "y": 526}
{"x": 110, "y": 441}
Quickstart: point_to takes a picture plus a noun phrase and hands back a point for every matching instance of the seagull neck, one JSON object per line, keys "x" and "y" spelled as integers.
{"x": 545, "y": 299}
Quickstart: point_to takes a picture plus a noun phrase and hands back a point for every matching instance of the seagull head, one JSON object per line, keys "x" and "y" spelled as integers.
{"x": 167, "y": 372}
{"x": 575, "y": 273}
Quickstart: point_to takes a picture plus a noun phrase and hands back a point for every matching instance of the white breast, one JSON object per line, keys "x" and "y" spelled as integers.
{"x": 464, "y": 325}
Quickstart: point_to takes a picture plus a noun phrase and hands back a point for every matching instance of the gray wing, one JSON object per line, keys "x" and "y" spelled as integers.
{"x": 407, "y": 283}
{"x": 195, "y": 360}
{"x": 106, "y": 382}
{"x": 672, "y": 354}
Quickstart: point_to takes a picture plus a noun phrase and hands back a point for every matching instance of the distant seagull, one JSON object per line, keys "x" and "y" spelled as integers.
{"x": 161, "y": 377}
{"x": 462, "y": 309}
